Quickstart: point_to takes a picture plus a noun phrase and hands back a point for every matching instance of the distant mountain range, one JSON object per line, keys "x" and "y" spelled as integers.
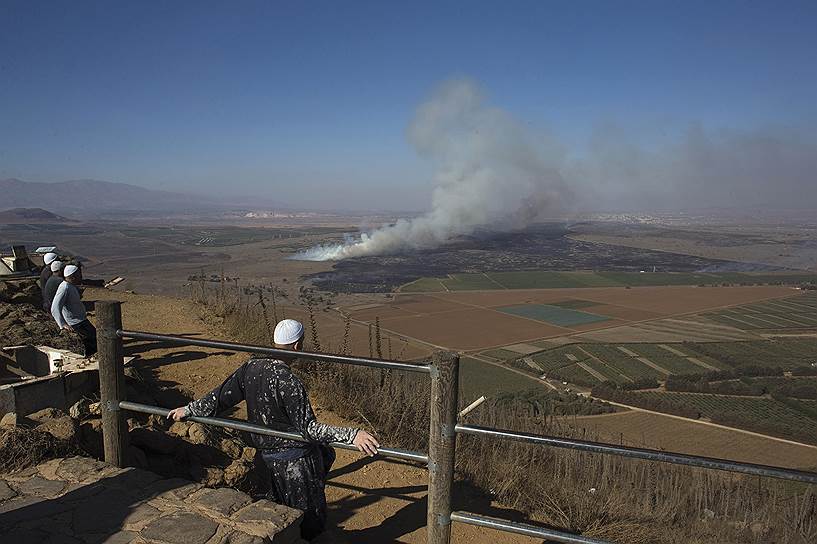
{"x": 87, "y": 195}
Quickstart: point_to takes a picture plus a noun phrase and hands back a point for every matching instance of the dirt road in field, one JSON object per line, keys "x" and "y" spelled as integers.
{"x": 372, "y": 501}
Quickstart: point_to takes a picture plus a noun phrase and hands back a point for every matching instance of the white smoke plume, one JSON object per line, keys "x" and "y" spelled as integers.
{"x": 490, "y": 171}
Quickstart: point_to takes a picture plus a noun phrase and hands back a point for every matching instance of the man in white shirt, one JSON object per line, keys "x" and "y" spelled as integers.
{"x": 69, "y": 311}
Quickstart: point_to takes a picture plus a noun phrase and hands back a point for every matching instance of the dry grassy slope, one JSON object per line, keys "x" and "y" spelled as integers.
{"x": 370, "y": 501}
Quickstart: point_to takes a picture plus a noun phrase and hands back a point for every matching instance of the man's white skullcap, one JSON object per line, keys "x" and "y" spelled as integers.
{"x": 49, "y": 258}
{"x": 56, "y": 266}
{"x": 288, "y": 331}
{"x": 70, "y": 269}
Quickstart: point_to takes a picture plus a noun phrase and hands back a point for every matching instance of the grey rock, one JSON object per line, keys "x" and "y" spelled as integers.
{"x": 223, "y": 501}
{"x": 238, "y": 537}
{"x": 138, "y": 517}
{"x": 171, "y": 489}
{"x": 6, "y": 492}
{"x": 80, "y": 469}
{"x": 122, "y": 537}
{"x": 133, "y": 480}
{"x": 42, "y": 487}
{"x": 61, "y": 428}
{"x": 276, "y": 522}
{"x": 81, "y": 409}
{"x": 180, "y": 528}
{"x": 46, "y": 413}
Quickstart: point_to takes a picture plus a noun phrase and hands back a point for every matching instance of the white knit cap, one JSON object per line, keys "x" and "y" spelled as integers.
{"x": 70, "y": 269}
{"x": 49, "y": 258}
{"x": 56, "y": 266}
{"x": 288, "y": 331}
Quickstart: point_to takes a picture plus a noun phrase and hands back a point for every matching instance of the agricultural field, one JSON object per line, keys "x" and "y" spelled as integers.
{"x": 543, "y": 279}
{"x": 480, "y": 378}
{"x": 758, "y": 414}
{"x": 791, "y": 313}
{"x": 784, "y": 353}
{"x": 594, "y": 363}
{"x": 644, "y": 429}
{"x": 480, "y": 320}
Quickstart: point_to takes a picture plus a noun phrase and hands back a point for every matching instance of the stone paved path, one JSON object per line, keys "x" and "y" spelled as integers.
{"x": 77, "y": 500}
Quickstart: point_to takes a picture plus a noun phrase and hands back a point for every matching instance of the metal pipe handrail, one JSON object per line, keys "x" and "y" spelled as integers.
{"x": 239, "y": 425}
{"x": 646, "y": 454}
{"x": 523, "y": 529}
{"x": 249, "y": 348}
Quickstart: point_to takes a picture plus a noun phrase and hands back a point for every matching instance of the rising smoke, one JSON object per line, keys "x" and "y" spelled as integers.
{"x": 489, "y": 171}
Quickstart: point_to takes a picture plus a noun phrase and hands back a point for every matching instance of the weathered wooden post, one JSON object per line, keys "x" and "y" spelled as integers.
{"x": 111, "y": 381}
{"x": 441, "y": 444}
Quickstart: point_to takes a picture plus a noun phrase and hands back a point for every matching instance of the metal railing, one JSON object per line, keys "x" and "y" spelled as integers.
{"x": 443, "y": 428}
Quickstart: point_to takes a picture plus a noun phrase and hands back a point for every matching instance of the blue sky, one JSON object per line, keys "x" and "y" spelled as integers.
{"x": 308, "y": 102}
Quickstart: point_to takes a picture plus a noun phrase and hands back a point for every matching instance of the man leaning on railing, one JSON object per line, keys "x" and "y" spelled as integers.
{"x": 295, "y": 471}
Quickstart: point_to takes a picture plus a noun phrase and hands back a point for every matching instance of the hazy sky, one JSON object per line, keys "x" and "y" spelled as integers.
{"x": 309, "y": 102}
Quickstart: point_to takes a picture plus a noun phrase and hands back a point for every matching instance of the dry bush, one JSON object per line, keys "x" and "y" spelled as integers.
{"x": 22, "y": 448}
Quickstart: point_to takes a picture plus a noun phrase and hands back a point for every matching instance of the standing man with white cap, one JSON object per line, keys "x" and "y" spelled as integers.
{"x": 296, "y": 471}
{"x": 45, "y": 273}
{"x": 69, "y": 311}
{"x": 51, "y": 286}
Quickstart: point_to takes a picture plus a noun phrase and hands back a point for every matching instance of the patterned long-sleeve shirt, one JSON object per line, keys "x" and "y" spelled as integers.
{"x": 275, "y": 398}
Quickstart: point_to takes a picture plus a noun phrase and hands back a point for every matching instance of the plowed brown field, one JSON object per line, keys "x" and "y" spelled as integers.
{"x": 468, "y": 320}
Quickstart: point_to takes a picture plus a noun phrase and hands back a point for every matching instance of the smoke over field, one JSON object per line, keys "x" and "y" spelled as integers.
{"x": 490, "y": 171}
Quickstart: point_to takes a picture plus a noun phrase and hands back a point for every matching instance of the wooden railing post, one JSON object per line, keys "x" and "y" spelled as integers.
{"x": 441, "y": 444}
{"x": 111, "y": 381}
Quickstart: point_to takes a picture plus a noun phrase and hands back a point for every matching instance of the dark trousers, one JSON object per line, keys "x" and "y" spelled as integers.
{"x": 87, "y": 332}
{"x": 299, "y": 483}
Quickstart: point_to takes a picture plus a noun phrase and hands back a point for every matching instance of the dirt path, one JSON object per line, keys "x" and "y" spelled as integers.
{"x": 372, "y": 501}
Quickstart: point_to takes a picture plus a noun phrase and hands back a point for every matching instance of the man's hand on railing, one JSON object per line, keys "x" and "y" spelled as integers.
{"x": 177, "y": 414}
{"x": 366, "y": 443}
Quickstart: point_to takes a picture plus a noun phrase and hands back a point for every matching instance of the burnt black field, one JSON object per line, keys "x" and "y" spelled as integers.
{"x": 540, "y": 247}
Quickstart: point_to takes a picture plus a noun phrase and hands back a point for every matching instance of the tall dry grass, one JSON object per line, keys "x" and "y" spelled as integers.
{"x": 622, "y": 500}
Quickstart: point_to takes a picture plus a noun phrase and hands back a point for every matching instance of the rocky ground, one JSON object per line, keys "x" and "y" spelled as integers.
{"x": 23, "y": 321}
{"x": 80, "y": 500}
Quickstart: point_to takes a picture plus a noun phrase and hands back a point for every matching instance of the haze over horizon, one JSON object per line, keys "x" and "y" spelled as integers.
{"x": 636, "y": 105}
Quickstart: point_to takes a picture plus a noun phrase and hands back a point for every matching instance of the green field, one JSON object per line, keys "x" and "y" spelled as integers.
{"x": 798, "y": 312}
{"x": 754, "y": 413}
{"x": 481, "y": 378}
{"x": 546, "y": 279}
{"x": 618, "y": 366}
{"x": 469, "y": 282}
{"x": 555, "y": 315}
{"x": 785, "y": 354}
{"x": 424, "y": 285}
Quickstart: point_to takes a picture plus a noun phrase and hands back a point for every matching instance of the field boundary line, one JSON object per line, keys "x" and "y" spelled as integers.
{"x": 593, "y": 372}
{"x": 614, "y": 369}
{"x": 492, "y": 280}
{"x": 790, "y": 320}
{"x": 654, "y": 366}
{"x": 700, "y": 363}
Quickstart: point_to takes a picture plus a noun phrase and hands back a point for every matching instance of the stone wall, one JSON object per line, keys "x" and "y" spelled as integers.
{"x": 81, "y": 500}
